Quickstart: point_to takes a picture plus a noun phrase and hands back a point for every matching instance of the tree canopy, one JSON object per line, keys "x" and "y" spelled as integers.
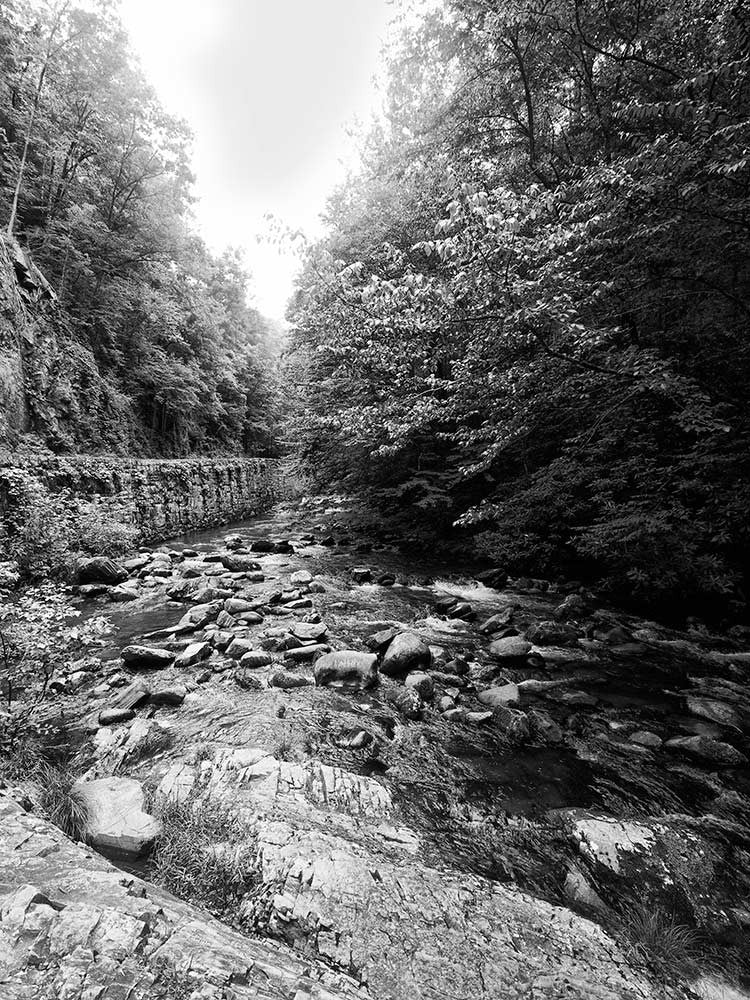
{"x": 529, "y": 315}
{"x": 152, "y": 346}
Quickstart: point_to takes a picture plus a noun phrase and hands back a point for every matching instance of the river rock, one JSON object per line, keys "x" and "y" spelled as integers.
{"x": 283, "y": 547}
{"x": 715, "y": 711}
{"x": 202, "y": 614}
{"x": 239, "y": 646}
{"x": 421, "y": 683}
{"x": 456, "y": 714}
{"x": 239, "y": 564}
{"x": 250, "y": 617}
{"x": 116, "y": 819}
{"x": 309, "y": 631}
{"x": 407, "y": 652}
{"x": 503, "y": 696}
{"x": 386, "y": 580}
{"x": 379, "y": 640}
{"x": 552, "y": 634}
{"x": 90, "y": 590}
{"x": 115, "y": 716}
{"x": 193, "y": 654}
{"x": 301, "y": 578}
{"x": 458, "y": 666}
{"x": 236, "y": 605}
{"x": 361, "y": 574}
{"x": 353, "y": 739}
{"x": 130, "y": 697}
{"x": 707, "y": 749}
{"x": 221, "y": 639}
{"x": 173, "y": 695}
{"x": 307, "y": 652}
{"x": 146, "y": 657}
{"x": 462, "y": 610}
{"x": 544, "y": 726}
{"x": 123, "y": 594}
{"x": 574, "y": 606}
{"x": 255, "y": 659}
{"x": 347, "y": 669}
{"x": 514, "y": 647}
{"x": 479, "y": 718}
{"x": 100, "y": 569}
{"x": 644, "y": 738}
{"x": 497, "y": 622}
{"x": 285, "y": 679}
{"x": 444, "y": 604}
{"x": 579, "y": 892}
{"x": 495, "y": 578}
{"x": 247, "y": 680}
{"x": 406, "y": 701}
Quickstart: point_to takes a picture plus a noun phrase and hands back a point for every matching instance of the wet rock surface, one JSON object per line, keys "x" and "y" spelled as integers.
{"x": 444, "y": 806}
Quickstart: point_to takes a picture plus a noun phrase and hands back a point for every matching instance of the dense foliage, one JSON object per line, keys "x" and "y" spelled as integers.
{"x": 152, "y": 347}
{"x": 530, "y": 313}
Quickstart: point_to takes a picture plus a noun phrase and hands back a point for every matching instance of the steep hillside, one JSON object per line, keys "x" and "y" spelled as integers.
{"x": 137, "y": 340}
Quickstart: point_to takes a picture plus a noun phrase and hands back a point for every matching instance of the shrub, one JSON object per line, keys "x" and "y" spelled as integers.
{"x": 205, "y": 854}
{"x": 43, "y": 531}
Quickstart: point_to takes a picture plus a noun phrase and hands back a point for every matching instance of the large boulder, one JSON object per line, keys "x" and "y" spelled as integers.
{"x": 347, "y": 669}
{"x": 100, "y": 569}
{"x": 146, "y": 657}
{"x": 405, "y": 653}
{"x": 116, "y": 821}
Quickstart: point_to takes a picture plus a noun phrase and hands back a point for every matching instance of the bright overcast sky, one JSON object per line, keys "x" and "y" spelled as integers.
{"x": 268, "y": 87}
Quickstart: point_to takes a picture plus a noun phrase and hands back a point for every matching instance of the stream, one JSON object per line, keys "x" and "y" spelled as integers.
{"x": 482, "y": 797}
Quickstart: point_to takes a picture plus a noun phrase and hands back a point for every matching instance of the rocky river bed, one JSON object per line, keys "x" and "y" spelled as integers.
{"x": 457, "y": 785}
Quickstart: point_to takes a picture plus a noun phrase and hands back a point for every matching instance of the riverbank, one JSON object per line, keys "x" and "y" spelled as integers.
{"x": 494, "y": 806}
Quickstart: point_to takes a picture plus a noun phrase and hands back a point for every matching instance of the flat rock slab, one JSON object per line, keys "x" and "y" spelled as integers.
{"x": 415, "y": 932}
{"x": 106, "y": 934}
{"x": 116, "y": 819}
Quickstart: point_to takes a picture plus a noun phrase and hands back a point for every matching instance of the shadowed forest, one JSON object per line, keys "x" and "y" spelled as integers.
{"x": 527, "y": 323}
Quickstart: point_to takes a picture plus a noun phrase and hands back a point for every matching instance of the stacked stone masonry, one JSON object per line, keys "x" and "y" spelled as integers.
{"x": 168, "y": 497}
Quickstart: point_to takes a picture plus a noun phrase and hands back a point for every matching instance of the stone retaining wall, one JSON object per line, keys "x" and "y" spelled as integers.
{"x": 168, "y": 497}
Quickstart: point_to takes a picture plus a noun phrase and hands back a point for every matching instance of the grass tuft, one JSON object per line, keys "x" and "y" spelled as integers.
{"x": 205, "y": 854}
{"x": 59, "y": 801}
{"x": 656, "y": 939}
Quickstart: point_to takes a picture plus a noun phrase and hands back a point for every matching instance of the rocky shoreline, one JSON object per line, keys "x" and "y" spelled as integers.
{"x": 461, "y": 787}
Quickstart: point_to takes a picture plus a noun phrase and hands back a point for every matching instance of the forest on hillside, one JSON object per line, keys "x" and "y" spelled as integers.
{"x": 151, "y": 346}
{"x": 529, "y": 317}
